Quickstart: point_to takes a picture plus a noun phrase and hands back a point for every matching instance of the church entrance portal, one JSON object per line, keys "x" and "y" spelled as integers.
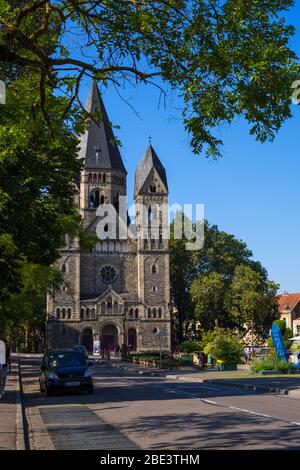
{"x": 109, "y": 337}
{"x": 87, "y": 340}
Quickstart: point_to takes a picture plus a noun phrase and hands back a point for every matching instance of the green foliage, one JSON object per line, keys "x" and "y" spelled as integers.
{"x": 226, "y": 347}
{"x": 269, "y": 363}
{"x": 221, "y": 286}
{"x": 225, "y": 59}
{"x": 251, "y": 299}
{"x": 190, "y": 346}
{"x": 282, "y": 325}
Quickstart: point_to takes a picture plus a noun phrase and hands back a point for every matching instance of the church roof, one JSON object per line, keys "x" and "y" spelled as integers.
{"x": 149, "y": 161}
{"x": 98, "y": 146}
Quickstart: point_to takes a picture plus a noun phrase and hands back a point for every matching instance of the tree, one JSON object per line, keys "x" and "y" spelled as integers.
{"x": 37, "y": 175}
{"x": 23, "y": 314}
{"x": 225, "y": 347}
{"x": 226, "y": 59}
{"x": 221, "y": 285}
{"x": 251, "y": 300}
{"x": 208, "y": 293}
{"x": 182, "y": 272}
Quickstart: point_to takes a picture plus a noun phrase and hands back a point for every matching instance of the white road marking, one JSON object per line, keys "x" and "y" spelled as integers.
{"x": 235, "y": 408}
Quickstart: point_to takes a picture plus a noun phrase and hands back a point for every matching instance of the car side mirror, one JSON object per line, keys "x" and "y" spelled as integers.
{"x": 90, "y": 363}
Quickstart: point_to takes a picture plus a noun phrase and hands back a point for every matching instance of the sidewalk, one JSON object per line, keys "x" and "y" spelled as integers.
{"x": 8, "y": 412}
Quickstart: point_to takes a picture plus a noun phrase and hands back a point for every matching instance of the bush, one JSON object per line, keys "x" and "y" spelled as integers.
{"x": 190, "y": 346}
{"x": 269, "y": 363}
{"x": 285, "y": 366}
{"x": 266, "y": 363}
{"x": 226, "y": 348}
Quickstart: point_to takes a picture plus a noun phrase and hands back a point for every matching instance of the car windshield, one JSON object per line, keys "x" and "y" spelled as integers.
{"x": 66, "y": 359}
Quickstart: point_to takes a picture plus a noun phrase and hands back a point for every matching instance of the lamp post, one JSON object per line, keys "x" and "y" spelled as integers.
{"x": 160, "y": 334}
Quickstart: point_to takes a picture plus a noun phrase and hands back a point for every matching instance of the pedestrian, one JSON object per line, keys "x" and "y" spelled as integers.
{"x": 108, "y": 354}
{"x": 117, "y": 351}
{"x": 8, "y": 361}
{"x": 3, "y": 369}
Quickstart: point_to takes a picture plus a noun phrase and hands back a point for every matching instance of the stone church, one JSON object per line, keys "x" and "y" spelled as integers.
{"x": 118, "y": 292}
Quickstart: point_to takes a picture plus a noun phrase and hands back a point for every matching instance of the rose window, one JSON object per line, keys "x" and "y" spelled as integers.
{"x": 108, "y": 274}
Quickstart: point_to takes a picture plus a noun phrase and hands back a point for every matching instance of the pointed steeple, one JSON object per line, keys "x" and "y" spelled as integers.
{"x": 149, "y": 161}
{"x": 98, "y": 146}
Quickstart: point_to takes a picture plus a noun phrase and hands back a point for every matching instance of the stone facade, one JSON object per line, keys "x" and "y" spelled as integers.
{"x": 119, "y": 291}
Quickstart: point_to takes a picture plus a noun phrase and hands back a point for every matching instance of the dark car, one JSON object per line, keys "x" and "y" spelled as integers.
{"x": 65, "y": 370}
{"x": 82, "y": 349}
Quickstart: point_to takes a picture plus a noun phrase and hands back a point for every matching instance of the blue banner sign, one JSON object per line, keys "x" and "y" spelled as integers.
{"x": 278, "y": 343}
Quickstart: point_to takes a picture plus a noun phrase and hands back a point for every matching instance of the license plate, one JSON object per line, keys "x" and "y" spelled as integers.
{"x": 72, "y": 384}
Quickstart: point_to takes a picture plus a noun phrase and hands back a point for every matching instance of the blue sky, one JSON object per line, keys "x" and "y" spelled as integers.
{"x": 252, "y": 192}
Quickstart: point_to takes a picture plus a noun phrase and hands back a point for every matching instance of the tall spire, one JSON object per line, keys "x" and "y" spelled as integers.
{"x": 98, "y": 146}
{"x": 149, "y": 161}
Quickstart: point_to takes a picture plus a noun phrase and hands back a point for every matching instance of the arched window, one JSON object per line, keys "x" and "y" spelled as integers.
{"x": 149, "y": 313}
{"x": 92, "y": 201}
{"x": 159, "y": 312}
{"x": 116, "y": 307}
{"x": 69, "y": 313}
{"x": 103, "y": 308}
{"x": 104, "y": 178}
{"x": 58, "y": 313}
{"x": 153, "y": 269}
{"x": 116, "y": 201}
{"x": 109, "y": 305}
{"x": 136, "y": 313}
{"x": 82, "y": 313}
{"x": 152, "y": 188}
{"x": 87, "y": 315}
{"x": 154, "y": 312}
{"x": 95, "y": 178}
{"x": 90, "y": 177}
{"x": 131, "y": 312}
{"x": 63, "y": 313}
{"x": 93, "y": 314}
{"x": 96, "y": 198}
{"x": 99, "y": 178}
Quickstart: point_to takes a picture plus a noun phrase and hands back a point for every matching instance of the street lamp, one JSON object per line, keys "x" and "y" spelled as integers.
{"x": 160, "y": 334}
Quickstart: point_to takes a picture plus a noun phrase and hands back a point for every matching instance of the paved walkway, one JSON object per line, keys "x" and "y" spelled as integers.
{"x": 8, "y": 413}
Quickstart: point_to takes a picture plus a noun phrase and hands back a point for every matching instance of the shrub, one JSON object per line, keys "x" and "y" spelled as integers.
{"x": 266, "y": 363}
{"x": 190, "y": 346}
{"x": 285, "y": 366}
{"x": 226, "y": 348}
{"x": 269, "y": 363}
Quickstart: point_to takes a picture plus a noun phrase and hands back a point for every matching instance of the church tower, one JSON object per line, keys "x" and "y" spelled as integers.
{"x": 151, "y": 201}
{"x": 103, "y": 179}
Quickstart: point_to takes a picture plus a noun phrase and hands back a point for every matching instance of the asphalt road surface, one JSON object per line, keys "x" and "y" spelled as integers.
{"x": 129, "y": 411}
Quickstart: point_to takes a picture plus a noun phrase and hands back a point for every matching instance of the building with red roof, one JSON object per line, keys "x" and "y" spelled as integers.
{"x": 289, "y": 310}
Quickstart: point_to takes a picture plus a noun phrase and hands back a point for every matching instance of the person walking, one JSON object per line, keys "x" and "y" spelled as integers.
{"x": 4, "y": 359}
{"x": 117, "y": 351}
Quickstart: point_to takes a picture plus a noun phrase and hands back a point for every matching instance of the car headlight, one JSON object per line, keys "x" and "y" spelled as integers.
{"x": 88, "y": 373}
{"x": 52, "y": 376}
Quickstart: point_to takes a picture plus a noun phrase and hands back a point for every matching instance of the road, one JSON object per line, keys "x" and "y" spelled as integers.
{"x": 129, "y": 411}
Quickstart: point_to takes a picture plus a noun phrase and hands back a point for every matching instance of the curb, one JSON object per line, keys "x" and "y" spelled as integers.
{"x": 20, "y": 437}
{"x": 139, "y": 372}
{"x": 257, "y": 388}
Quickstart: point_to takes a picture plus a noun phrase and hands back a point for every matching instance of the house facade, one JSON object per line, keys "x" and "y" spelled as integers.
{"x": 289, "y": 310}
